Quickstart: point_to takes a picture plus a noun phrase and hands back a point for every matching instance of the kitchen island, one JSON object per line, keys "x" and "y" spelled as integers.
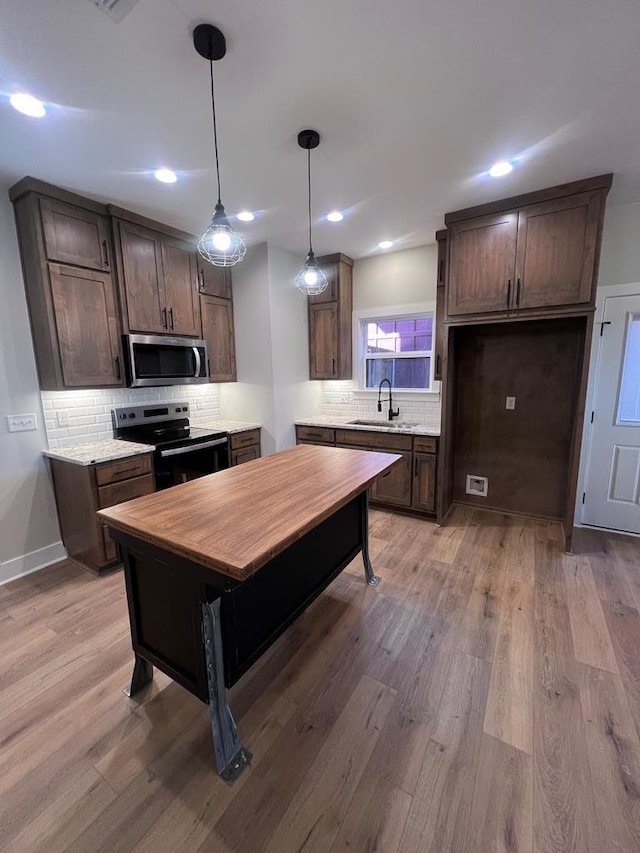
{"x": 217, "y": 568}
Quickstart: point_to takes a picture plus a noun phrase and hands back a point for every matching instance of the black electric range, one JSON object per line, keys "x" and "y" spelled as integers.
{"x": 181, "y": 452}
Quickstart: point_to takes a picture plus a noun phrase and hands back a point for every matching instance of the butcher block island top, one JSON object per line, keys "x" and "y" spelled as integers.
{"x": 237, "y": 520}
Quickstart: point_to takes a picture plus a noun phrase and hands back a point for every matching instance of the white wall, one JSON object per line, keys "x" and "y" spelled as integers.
{"x": 29, "y": 534}
{"x": 395, "y": 278}
{"x": 620, "y": 258}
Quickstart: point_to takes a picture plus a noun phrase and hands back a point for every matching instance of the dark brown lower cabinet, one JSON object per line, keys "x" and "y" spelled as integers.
{"x": 394, "y": 487}
{"x": 81, "y": 490}
{"x": 410, "y": 485}
{"x": 424, "y": 482}
{"x": 244, "y": 446}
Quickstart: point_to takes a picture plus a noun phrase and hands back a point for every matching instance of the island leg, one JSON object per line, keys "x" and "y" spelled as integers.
{"x": 231, "y": 756}
{"x": 142, "y": 674}
{"x": 372, "y": 579}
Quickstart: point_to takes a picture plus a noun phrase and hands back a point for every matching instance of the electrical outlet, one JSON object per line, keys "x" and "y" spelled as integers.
{"x": 62, "y": 418}
{"x": 511, "y": 403}
{"x": 22, "y": 423}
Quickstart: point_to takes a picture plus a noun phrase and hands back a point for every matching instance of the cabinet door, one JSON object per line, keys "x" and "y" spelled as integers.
{"x": 237, "y": 457}
{"x": 141, "y": 252}
{"x": 394, "y": 487}
{"x": 86, "y": 325}
{"x": 331, "y": 293}
{"x": 214, "y": 281}
{"x": 556, "y": 251}
{"x": 424, "y": 482}
{"x": 73, "y": 235}
{"x": 482, "y": 254}
{"x": 323, "y": 341}
{"x": 180, "y": 289}
{"x": 217, "y": 330}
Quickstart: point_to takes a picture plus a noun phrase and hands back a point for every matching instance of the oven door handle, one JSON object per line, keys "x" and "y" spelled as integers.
{"x": 196, "y": 353}
{"x": 203, "y": 445}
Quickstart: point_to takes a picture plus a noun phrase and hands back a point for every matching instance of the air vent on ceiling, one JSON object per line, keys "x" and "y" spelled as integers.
{"x": 115, "y": 9}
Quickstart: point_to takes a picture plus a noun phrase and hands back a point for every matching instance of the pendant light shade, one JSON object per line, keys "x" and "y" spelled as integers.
{"x": 220, "y": 244}
{"x": 310, "y": 280}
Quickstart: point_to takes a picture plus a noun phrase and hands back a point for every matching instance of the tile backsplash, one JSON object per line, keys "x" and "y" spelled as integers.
{"x": 74, "y": 417}
{"x": 339, "y": 400}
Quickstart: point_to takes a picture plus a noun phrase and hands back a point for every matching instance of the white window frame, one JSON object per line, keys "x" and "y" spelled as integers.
{"x": 394, "y": 312}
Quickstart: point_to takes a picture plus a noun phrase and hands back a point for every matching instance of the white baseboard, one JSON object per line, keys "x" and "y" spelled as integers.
{"x": 32, "y": 562}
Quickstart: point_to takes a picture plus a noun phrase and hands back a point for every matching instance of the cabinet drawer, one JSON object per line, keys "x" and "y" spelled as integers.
{"x": 425, "y": 445}
{"x": 244, "y": 439}
{"x": 315, "y": 434}
{"x": 113, "y": 472}
{"x": 247, "y": 455}
{"x": 125, "y": 491}
{"x": 373, "y": 440}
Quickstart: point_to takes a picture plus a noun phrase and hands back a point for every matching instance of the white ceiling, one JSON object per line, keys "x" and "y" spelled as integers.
{"x": 414, "y": 101}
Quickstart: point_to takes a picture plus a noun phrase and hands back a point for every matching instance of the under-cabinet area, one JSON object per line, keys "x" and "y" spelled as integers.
{"x": 409, "y": 485}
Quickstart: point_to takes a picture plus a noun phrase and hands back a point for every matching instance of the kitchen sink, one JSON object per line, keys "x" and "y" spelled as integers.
{"x": 385, "y": 424}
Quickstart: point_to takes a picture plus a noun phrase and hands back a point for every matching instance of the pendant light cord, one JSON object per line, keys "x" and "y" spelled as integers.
{"x": 215, "y": 128}
{"x": 309, "y": 186}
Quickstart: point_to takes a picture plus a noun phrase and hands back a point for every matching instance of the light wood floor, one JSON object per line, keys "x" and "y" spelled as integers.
{"x": 485, "y": 697}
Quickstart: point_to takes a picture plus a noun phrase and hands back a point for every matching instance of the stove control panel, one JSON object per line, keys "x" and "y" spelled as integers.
{"x": 149, "y": 414}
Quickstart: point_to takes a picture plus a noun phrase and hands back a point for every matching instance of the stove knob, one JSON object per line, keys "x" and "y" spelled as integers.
{"x": 123, "y": 417}
{"x": 178, "y": 409}
{"x": 184, "y": 408}
{"x": 131, "y": 415}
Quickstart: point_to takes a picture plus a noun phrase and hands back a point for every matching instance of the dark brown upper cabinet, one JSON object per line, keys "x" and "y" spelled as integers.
{"x": 157, "y": 275}
{"x": 213, "y": 281}
{"x": 68, "y": 278}
{"x": 218, "y": 332}
{"x": 86, "y": 325}
{"x": 330, "y": 336}
{"x": 534, "y": 253}
{"x": 73, "y": 235}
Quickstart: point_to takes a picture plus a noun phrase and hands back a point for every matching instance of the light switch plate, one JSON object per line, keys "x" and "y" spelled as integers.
{"x": 511, "y": 403}
{"x": 22, "y": 423}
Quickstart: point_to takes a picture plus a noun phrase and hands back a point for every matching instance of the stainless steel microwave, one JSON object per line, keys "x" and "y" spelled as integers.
{"x": 161, "y": 360}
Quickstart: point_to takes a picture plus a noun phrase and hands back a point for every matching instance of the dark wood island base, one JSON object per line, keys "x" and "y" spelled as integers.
{"x": 204, "y": 627}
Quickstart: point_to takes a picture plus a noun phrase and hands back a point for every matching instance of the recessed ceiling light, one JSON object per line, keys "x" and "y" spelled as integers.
{"x": 246, "y": 216}
{"x": 335, "y": 216}
{"x": 500, "y": 169}
{"x": 385, "y": 244}
{"x": 165, "y": 176}
{"x": 27, "y": 104}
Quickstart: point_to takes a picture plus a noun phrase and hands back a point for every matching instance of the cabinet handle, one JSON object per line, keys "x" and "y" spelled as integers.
{"x": 415, "y": 466}
{"x": 117, "y": 361}
{"x": 438, "y": 370}
{"x": 209, "y": 367}
{"x": 509, "y": 293}
{"x": 333, "y": 365}
{"x": 518, "y": 293}
{"x": 201, "y": 279}
{"x": 171, "y": 317}
{"x": 106, "y": 253}
{"x": 440, "y": 270}
{"x": 164, "y": 318}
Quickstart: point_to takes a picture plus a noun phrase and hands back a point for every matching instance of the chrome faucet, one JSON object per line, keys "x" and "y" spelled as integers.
{"x": 392, "y": 414}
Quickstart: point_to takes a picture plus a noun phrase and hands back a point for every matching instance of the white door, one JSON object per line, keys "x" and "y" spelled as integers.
{"x": 613, "y": 482}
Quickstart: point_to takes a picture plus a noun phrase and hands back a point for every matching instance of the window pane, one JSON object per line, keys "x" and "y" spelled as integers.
{"x": 629, "y": 402}
{"x": 402, "y": 372}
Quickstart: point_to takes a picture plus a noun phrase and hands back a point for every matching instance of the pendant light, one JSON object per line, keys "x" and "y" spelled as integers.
{"x": 310, "y": 280}
{"x": 220, "y": 244}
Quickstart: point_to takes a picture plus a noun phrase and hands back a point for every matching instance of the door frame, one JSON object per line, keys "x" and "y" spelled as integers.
{"x": 602, "y": 294}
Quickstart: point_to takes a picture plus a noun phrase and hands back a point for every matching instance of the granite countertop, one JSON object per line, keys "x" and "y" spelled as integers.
{"x": 384, "y": 426}
{"x": 222, "y": 425}
{"x": 93, "y": 452}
